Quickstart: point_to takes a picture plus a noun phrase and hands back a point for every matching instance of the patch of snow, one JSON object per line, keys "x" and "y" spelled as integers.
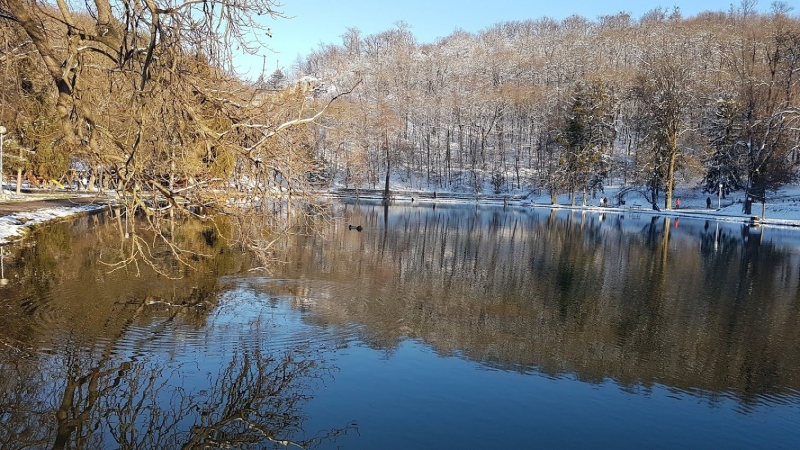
{"x": 14, "y": 227}
{"x": 782, "y": 208}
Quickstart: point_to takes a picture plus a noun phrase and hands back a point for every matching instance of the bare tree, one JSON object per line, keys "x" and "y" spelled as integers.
{"x": 146, "y": 95}
{"x": 664, "y": 91}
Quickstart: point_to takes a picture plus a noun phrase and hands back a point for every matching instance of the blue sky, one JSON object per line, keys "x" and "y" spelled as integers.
{"x": 324, "y": 21}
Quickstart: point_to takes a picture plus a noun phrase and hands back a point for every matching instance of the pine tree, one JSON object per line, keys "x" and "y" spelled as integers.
{"x": 727, "y": 160}
{"x": 587, "y": 135}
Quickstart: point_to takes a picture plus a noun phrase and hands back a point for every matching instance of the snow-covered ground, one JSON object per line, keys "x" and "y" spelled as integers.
{"x": 16, "y": 226}
{"x": 782, "y": 208}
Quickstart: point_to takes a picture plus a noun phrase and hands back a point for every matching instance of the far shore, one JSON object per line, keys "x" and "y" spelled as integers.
{"x": 19, "y": 213}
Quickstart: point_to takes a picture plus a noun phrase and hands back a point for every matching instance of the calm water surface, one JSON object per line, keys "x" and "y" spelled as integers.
{"x": 446, "y": 327}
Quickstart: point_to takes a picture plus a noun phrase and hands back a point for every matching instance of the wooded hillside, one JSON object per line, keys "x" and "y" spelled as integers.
{"x": 139, "y": 96}
{"x": 567, "y": 106}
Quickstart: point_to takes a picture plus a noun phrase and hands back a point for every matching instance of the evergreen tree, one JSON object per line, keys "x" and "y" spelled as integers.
{"x": 588, "y": 133}
{"x": 726, "y": 163}
{"x": 277, "y": 80}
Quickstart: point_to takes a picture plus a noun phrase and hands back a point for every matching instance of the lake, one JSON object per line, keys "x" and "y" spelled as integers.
{"x": 454, "y": 326}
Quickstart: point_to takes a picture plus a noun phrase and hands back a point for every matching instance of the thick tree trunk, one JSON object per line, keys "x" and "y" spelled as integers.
{"x": 670, "y": 177}
{"x": 388, "y": 167}
{"x": 58, "y": 72}
{"x": 386, "y": 187}
{"x": 448, "y": 165}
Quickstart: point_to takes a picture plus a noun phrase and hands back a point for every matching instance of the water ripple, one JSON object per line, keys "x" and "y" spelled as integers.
{"x": 247, "y": 316}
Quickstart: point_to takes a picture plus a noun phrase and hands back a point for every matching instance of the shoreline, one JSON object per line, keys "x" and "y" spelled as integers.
{"x": 22, "y": 213}
{"x": 725, "y": 214}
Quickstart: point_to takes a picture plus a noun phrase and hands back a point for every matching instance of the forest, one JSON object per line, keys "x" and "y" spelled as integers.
{"x": 570, "y": 106}
{"x": 140, "y": 96}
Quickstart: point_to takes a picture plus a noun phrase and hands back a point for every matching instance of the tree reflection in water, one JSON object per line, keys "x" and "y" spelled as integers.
{"x": 638, "y": 299}
{"x": 708, "y": 309}
{"x": 255, "y": 401}
{"x": 93, "y": 358}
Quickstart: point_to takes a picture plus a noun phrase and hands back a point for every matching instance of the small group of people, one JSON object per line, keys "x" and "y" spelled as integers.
{"x": 678, "y": 203}
{"x": 604, "y": 202}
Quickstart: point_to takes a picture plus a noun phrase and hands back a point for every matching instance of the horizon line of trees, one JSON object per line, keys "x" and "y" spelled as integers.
{"x": 145, "y": 101}
{"x": 569, "y": 106}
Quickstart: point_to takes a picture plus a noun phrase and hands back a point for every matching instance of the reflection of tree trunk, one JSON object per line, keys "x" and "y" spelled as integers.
{"x": 665, "y": 245}
{"x": 385, "y": 239}
{"x": 83, "y": 386}
{"x": 72, "y": 418}
{"x": 64, "y": 428}
{"x": 551, "y": 219}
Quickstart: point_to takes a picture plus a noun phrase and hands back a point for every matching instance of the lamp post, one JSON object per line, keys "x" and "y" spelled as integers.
{"x": 2, "y": 134}
{"x": 719, "y": 202}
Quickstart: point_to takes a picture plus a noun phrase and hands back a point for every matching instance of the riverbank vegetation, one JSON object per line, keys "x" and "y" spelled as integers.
{"x": 141, "y": 97}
